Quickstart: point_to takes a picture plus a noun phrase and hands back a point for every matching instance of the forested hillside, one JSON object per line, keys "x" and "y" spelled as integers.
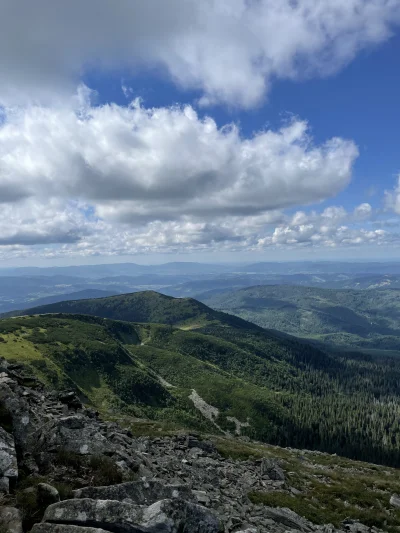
{"x": 366, "y": 319}
{"x": 269, "y": 387}
{"x": 146, "y": 306}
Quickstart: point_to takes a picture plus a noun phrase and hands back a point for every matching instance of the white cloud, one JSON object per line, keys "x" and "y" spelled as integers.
{"x": 31, "y": 222}
{"x": 80, "y": 180}
{"x": 333, "y": 227}
{"x": 72, "y": 230}
{"x": 230, "y": 50}
{"x": 392, "y": 198}
{"x": 135, "y": 164}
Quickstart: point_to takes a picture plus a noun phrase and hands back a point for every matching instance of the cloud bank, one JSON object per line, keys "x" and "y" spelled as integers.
{"x": 228, "y": 50}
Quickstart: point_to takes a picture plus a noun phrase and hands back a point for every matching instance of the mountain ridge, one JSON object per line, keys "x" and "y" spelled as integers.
{"x": 368, "y": 318}
{"x": 277, "y": 388}
{"x": 142, "y": 306}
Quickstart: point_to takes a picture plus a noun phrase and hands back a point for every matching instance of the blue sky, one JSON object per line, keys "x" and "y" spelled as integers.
{"x": 88, "y": 176}
{"x": 361, "y": 102}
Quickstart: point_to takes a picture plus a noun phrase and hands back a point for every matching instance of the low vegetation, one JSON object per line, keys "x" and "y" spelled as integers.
{"x": 280, "y": 389}
{"x": 324, "y": 488}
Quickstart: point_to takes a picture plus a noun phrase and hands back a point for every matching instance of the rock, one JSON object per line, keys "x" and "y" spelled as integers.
{"x": 17, "y": 409}
{"x": 10, "y": 520}
{"x": 64, "y": 528}
{"x": 140, "y": 492}
{"x": 8, "y": 461}
{"x": 47, "y": 494}
{"x": 201, "y": 497}
{"x": 175, "y": 515}
{"x": 395, "y": 501}
{"x": 104, "y": 514}
{"x": 71, "y": 399}
{"x": 356, "y": 527}
{"x": 287, "y": 517}
{"x": 205, "y": 446}
{"x": 271, "y": 468}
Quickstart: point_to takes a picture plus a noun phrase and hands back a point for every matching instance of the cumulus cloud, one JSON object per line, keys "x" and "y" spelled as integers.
{"x": 333, "y": 227}
{"x": 229, "y": 50}
{"x": 135, "y": 164}
{"x": 32, "y": 223}
{"x": 74, "y": 230}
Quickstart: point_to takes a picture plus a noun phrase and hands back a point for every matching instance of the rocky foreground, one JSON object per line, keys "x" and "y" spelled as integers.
{"x": 63, "y": 470}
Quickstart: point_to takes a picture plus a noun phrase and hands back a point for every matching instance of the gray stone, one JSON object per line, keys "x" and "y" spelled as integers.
{"x": 175, "y": 515}
{"x": 140, "y": 492}
{"x": 353, "y": 526}
{"x": 8, "y": 461}
{"x": 10, "y": 520}
{"x": 395, "y": 501}
{"x": 287, "y": 517}
{"x": 18, "y": 409}
{"x": 271, "y": 468}
{"x": 201, "y": 497}
{"x": 47, "y": 494}
{"x": 64, "y": 528}
{"x": 104, "y": 514}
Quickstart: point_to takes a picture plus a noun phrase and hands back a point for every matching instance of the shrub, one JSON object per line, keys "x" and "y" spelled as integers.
{"x": 105, "y": 471}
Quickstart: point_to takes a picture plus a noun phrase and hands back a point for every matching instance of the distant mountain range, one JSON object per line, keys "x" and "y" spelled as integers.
{"x": 26, "y": 287}
{"x": 368, "y": 319}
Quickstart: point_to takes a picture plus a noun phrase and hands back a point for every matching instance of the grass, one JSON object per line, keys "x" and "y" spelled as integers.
{"x": 332, "y": 488}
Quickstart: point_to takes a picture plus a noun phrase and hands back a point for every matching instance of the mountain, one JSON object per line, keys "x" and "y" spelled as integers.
{"x": 146, "y": 306}
{"x": 65, "y": 469}
{"x": 350, "y": 317}
{"x": 118, "y": 269}
{"x": 322, "y": 267}
{"x": 79, "y": 295}
{"x": 209, "y": 371}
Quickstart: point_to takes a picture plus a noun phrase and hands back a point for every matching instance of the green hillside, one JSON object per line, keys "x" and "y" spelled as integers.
{"x": 217, "y": 378}
{"x": 146, "y": 306}
{"x": 366, "y": 319}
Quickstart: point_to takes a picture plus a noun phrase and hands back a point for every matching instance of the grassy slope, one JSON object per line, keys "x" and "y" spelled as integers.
{"x": 116, "y": 366}
{"x": 347, "y": 317}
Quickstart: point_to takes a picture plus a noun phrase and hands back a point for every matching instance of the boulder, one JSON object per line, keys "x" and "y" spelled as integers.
{"x": 201, "y": 497}
{"x": 395, "y": 500}
{"x": 64, "y": 528}
{"x": 175, "y": 515}
{"x": 8, "y": 461}
{"x": 76, "y": 434}
{"x": 104, "y": 514}
{"x": 47, "y": 494}
{"x": 18, "y": 410}
{"x": 271, "y": 468}
{"x": 71, "y": 399}
{"x": 10, "y": 520}
{"x": 287, "y": 518}
{"x": 139, "y": 492}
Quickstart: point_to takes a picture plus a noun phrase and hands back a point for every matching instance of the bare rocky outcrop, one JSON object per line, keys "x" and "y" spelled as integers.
{"x": 142, "y": 492}
{"x": 8, "y": 462}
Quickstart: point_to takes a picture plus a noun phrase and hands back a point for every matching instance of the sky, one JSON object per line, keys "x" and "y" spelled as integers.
{"x": 237, "y": 130}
